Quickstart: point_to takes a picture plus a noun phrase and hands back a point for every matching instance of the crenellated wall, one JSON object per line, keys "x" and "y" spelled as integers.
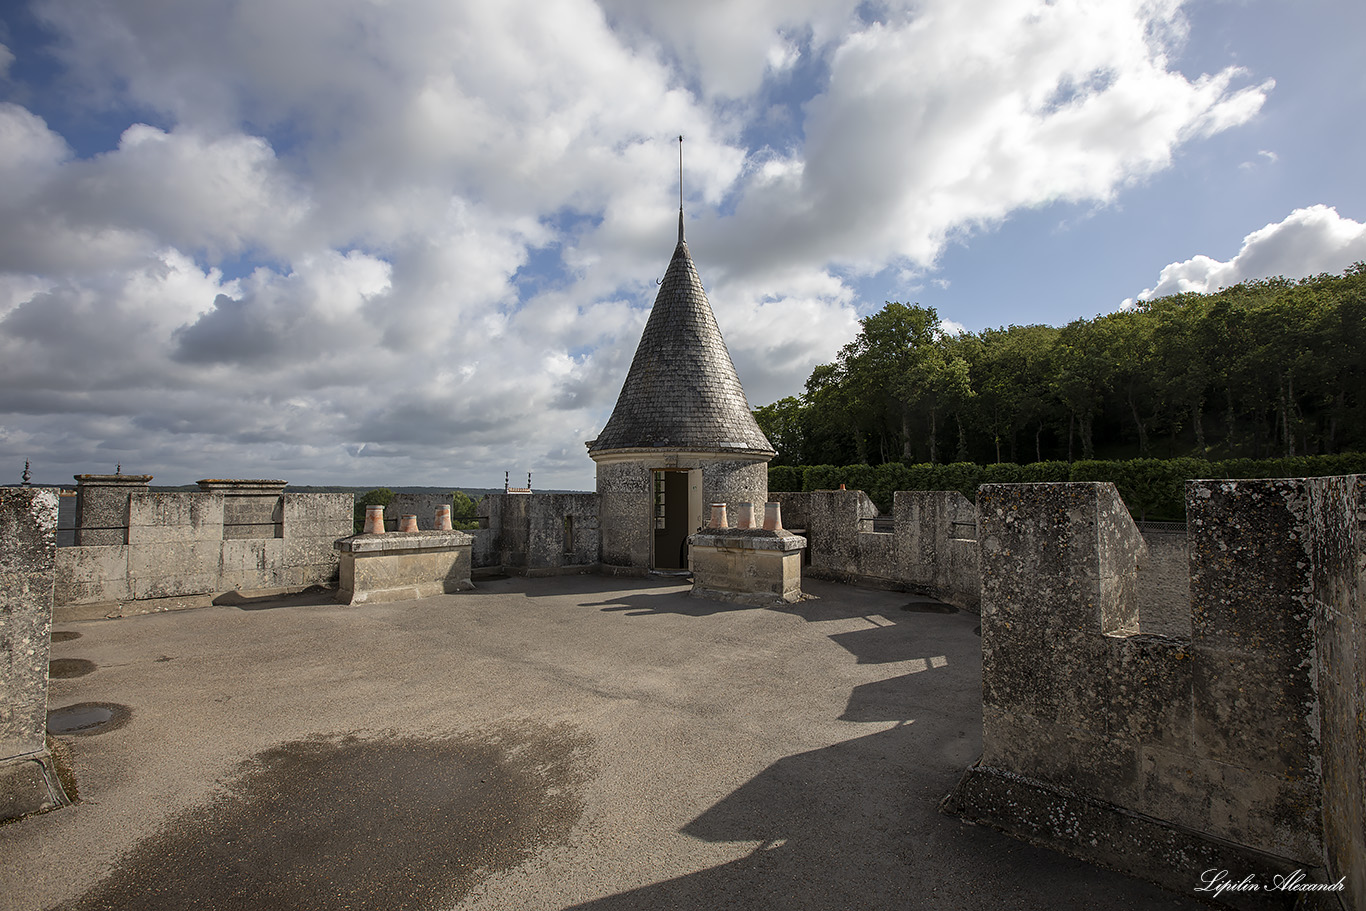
{"x": 1238, "y": 747}
{"x": 1340, "y": 653}
{"x": 931, "y": 550}
{"x": 538, "y": 533}
{"x": 936, "y": 552}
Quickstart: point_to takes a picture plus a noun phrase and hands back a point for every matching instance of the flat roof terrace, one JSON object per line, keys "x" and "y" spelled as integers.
{"x": 571, "y": 742}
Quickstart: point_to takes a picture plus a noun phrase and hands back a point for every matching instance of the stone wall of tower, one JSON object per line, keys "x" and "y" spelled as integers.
{"x": 733, "y": 482}
{"x": 626, "y": 502}
{"x": 626, "y": 496}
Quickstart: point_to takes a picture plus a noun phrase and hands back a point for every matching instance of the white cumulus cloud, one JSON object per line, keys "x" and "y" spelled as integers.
{"x": 400, "y": 242}
{"x": 1306, "y": 242}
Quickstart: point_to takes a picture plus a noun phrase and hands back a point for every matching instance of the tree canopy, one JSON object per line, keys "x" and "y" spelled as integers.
{"x": 1261, "y": 369}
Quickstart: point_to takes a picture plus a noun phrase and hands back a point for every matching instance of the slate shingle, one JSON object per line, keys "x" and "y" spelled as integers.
{"x": 682, "y": 391}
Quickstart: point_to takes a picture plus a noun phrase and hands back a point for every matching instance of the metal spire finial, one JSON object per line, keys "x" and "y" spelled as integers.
{"x": 680, "y": 188}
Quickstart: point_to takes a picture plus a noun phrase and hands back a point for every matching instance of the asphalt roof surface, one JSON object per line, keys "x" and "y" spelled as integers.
{"x": 572, "y": 742}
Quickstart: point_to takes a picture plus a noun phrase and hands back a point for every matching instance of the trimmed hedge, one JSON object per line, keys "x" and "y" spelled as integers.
{"x": 1151, "y": 488}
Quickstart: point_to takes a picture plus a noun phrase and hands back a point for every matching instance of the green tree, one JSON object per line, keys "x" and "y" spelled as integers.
{"x": 784, "y": 423}
{"x": 1082, "y": 374}
{"x": 903, "y": 368}
{"x": 1011, "y": 380}
{"x": 464, "y": 511}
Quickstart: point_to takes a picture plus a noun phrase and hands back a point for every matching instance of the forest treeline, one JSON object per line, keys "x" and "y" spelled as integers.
{"x": 1272, "y": 368}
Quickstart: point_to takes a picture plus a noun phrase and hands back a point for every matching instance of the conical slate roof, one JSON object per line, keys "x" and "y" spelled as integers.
{"x": 682, "y": 391}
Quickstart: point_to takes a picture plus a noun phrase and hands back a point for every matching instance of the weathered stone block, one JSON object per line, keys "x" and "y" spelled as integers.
{"x": 1143, "y": 686}
{"x": 627, "y": 506}
{"x": 321, "y": 515}
{"x": 562, "y": 530}
{"x": 1250, "y": 564}
{"x": 91, "y": 573}
{"x": 253, "y": 563}
{"x": 1104, "y": 767}
{"x": 877, "y": 555}
{"x": 403, "y": 566}
{"x": 315, "y": 574}
{"x": 244, "y": 510}
{"x": 302, "y": 551}
{"x": 171, "y": 568}
{"x": 1253, "y": 710}
{"x": 28, "y": 526}
{"x": 174, "y": 517}
{"x": 1341, "y": 653}
{"x": 252, "y": 517}
{"x": 1029, "y": 533}
{"x": 748, "y": 566}
{"x": 1225, "y": 801}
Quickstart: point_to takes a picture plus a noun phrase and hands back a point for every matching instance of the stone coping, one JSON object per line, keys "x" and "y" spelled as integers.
{"x": 401, "y": 541}
{"x": 747, "y": 539}
{"x": 250, "y": 485}
{"x": 88, "y": 479}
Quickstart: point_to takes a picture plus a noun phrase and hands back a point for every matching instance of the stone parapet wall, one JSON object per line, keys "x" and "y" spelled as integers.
{"x": 838, "y": 525}
{"x": 932, "y": 549}
{"x": 183, "y": 544}
{"x": 1243, "y": 737}
{"x": 936, "y": 533}
{"x": 539, "y": 533}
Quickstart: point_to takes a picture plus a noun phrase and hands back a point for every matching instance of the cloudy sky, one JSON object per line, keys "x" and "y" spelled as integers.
{"x": 415, "y": 241}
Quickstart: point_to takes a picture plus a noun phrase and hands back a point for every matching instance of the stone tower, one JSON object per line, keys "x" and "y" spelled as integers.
{"x": 681, "y": 436}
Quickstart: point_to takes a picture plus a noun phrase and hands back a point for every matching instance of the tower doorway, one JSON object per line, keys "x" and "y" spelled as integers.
{"x": 676, "y": 516}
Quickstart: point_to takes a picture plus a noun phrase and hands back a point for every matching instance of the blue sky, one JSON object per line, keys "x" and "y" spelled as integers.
{"x": 416, "y": 242}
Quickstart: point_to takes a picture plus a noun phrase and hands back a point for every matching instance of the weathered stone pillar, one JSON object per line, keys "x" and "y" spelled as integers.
{"x": 28, "y": 529}
{"x": 102, "y": 506}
